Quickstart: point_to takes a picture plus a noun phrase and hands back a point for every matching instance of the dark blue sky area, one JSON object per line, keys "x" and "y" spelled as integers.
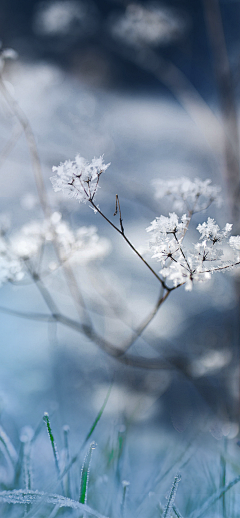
{"x": 191, "y": 54}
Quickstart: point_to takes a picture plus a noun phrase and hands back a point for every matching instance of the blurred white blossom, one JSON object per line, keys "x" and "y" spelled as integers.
{"x": 193, "y": 195}
{"x": 234, "y": 242}
{"x": 80, "y": 246}
{"x": 78, "y": 178}
{"x": 150, "y": 25}
{"x": 58, "y": 17}
{"x": 10, "y": 269}
{"x": 6, "y": 54}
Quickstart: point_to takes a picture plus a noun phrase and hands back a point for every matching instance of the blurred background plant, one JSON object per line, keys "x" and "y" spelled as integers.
{"x": 153, "y": 87}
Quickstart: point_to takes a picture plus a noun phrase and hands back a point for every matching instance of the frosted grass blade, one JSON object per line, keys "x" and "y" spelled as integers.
{"x": 214, "y": 498}
{"x": 67, "y": 459}
{"x": 171, "y": 498}
{"x": 54, "y": 446}
{"x": 21, "y": 496}
{"x": 7, "y": 447}
{"x": 75, "y": 457}
{"x": 99, "y": 415}
{"x": 177, "y": 512}
{"x": 85, "y": 474}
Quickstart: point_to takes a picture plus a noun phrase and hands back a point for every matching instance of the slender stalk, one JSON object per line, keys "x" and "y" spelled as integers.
{"x": 121, "y": 232}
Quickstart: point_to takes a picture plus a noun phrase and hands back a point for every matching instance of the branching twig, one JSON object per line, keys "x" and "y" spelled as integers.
{"x": 118, "y": 209}
{"x": 96, "y": 208}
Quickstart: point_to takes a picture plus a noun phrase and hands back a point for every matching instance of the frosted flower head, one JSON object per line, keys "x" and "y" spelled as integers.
{"x": 83, "y": 245}
{"x": 195, "y": 195}
{"x": 169, "y": 225}
{"x": 27, "y": 241}
{"x": 150, "y": 25}
{"x": 166, "y": 235}
{"x": 78, "y": 178}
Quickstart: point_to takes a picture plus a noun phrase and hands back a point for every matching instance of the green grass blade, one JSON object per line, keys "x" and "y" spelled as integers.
{"x": 99, "y": 415}
{"x": 75, "y": 457}
{"x": 177, "y": 512}
{"x": 125, "y": 485}
{"x": 54, "y": 445}
{"x": 85, "y": 474}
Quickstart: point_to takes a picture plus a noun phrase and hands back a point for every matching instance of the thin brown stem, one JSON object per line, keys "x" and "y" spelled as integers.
{"x": 21, "y": 117}
{"x": 89, "y": 332}
{"x": 138, "y": 332}
{"x": 131, "y": 245}
{"x": 24, "y": 122}
{"x": 118, "y": 209}
{"x": 182, "y": 252}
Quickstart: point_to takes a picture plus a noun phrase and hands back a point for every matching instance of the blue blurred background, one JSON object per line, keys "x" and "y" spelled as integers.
{"x": 152, "y": 107}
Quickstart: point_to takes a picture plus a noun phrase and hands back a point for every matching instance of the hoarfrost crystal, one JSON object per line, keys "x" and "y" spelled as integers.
{"x": 183, "y": 265}
{"x": 78, "y": 178}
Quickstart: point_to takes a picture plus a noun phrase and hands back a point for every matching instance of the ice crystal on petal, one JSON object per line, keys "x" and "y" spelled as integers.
{"x": 168, "y": 225}
{"x": 210, "y": 231}
{"x": 234, "y": 242}
{"x": 78, "y": 178}
{"x": 195, "y": 195}
{"x": 186, "y": 266}
{"x": 167, "y": 234}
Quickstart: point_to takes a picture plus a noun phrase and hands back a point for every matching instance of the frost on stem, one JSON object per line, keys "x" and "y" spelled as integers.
{"x": 78, "y": 178}
{"x": 193, "y": 195}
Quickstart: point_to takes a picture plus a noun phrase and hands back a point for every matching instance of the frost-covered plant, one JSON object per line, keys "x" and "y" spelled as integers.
{"x": 192, "y": 195}
{"x": 80, "y": 246}
{"x": 79, "y": 178}
{"x": 180, "y": 265}
{"x": 88, "y": 488}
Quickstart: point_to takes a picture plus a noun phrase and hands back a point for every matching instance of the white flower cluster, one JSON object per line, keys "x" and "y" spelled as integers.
{"x": 78, "y": 178}
{"x": 167, "y": 235}
{"x": 193, "y": 195}
{"x": 81, "y": 246}
{"x": 148, "y": 25}
{"x": 185, "y": 266}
